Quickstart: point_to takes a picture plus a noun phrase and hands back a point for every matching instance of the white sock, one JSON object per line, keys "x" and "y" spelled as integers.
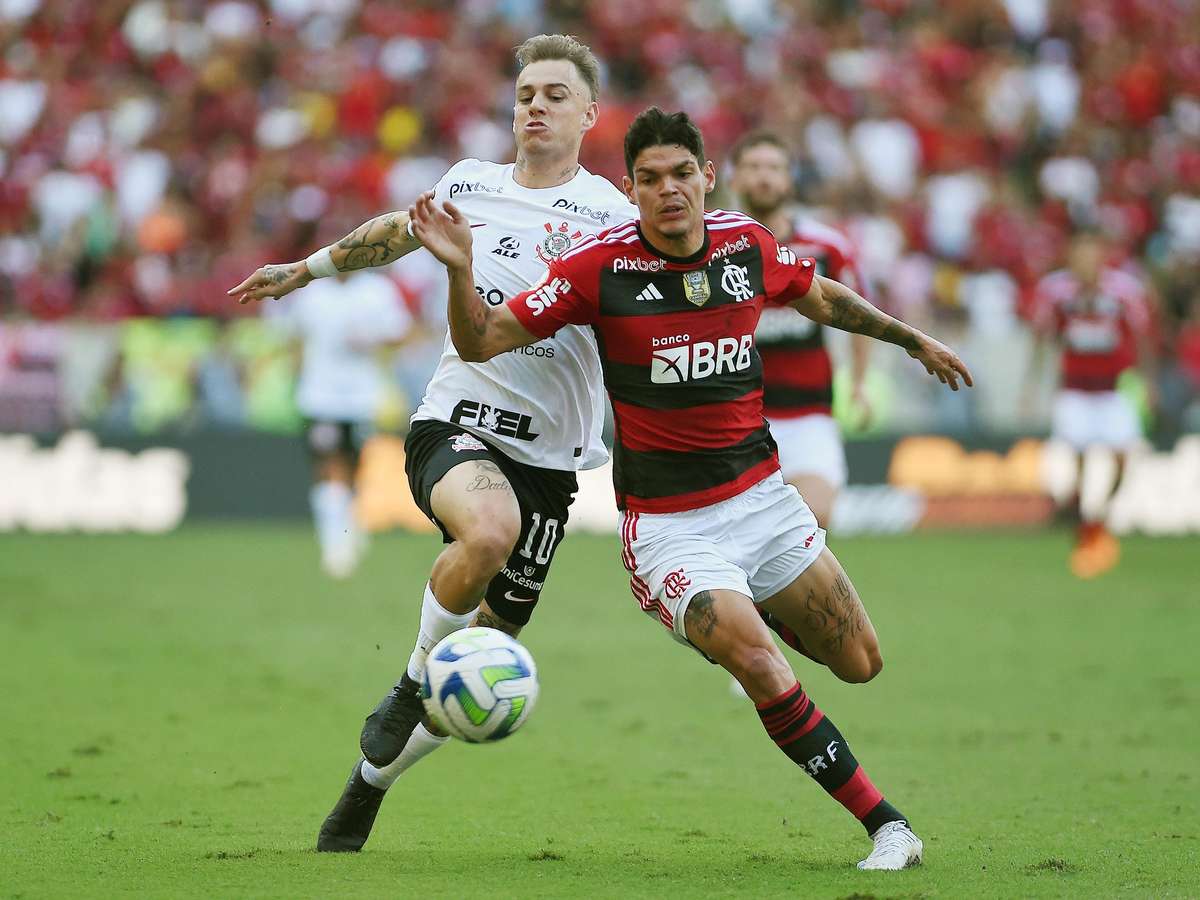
{"x": 1096, "y": 484}
{"x": 420, "y": 744}
{"x": 333, "y": 513}
{"x": 436, "y": 623}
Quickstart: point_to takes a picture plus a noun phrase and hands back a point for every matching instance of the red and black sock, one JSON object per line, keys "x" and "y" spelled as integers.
{"x": 813, "y": 742}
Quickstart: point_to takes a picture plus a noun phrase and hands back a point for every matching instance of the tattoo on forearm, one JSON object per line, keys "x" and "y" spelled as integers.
{"x": 700, "y": 618}
{"x": 376, "y": 243}
{"x": 836, "y": 617}
{"x": 487, "y": 619}
{"x": 850, "y": 312}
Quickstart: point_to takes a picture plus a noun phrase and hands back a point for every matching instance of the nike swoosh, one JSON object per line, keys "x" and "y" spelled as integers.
{"x": 508, "y": 596}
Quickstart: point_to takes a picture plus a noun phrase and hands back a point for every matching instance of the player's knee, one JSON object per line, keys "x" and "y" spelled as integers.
{"x": 759, "y": 666}
{"x": 490, "y": 543}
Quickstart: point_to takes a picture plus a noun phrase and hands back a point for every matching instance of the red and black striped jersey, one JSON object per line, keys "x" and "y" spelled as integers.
{"x": 797, "y": 372}
{"x": 1098, "y": 328}
{"x": 676, "y": 343}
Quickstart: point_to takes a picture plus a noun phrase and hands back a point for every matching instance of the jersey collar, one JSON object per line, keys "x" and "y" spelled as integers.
{"x": 677, "y": 260}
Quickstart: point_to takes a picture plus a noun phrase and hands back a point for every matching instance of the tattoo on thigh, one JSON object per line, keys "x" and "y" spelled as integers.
{"x": 487, "y": 619}
{"x": 701, "y": 618}
{"x": 835, "y": 617}
{"x": 490, "y": 479}
{"x": 484, "y": 483}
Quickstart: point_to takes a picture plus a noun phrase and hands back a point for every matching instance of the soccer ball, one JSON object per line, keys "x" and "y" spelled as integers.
{"x": 480, "y": 685}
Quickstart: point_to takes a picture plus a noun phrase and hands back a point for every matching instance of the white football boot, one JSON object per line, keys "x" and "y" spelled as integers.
{"x": 896, "y": 847}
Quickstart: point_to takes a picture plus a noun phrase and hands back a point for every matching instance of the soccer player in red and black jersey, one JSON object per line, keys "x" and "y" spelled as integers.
{"x": 797, "y": 370}
{"x": 1099, "y": 316}
{"x": 709, "y": 528}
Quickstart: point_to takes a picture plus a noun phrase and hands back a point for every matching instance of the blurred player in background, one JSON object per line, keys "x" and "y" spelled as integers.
{"x": 709, "y": 527}
{"x": 493, "y": 448}
{"x": 797, "y": 371}
{"x": 342, "y": 324}
{"x": 1099, "y": 316}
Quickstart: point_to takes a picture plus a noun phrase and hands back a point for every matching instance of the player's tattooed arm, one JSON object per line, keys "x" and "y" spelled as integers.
{"x": 830, "y": 302}
{"x": 377, "y": 242}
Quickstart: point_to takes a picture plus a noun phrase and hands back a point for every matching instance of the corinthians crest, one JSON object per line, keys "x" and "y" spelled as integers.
{"x": 556, "y": 242}
{"x": 695, "y": 287}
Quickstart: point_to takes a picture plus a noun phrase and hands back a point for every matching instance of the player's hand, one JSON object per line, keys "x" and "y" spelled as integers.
{"x": 445, "y": 231}
{"x": 272, "y": 281}
{"x": 940, "y": 360}
{"x": 861, "y": 404}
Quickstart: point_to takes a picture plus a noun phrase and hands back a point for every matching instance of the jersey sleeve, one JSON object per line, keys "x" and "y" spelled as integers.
{"x": 786, "y": 277}
{"x": 566, "y": 295}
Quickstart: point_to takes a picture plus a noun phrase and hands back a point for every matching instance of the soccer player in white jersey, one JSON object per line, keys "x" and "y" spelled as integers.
{"x": 341, "y": 324}
{"x": 493, "y": 448}
{"x": 709, "y": 527}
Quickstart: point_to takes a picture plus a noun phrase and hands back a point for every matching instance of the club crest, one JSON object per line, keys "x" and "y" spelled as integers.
{"x": 695, "y": 287}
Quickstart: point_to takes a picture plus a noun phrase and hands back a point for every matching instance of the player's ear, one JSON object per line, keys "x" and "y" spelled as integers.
{"x": 710, "y": 176}
{"x": 627, "y": 187}
{"x": 590, "y": 114}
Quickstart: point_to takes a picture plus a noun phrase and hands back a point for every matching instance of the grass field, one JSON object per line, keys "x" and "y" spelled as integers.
{"x": 180, "y": 712}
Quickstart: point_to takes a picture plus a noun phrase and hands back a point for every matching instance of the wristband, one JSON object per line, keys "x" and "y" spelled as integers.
{"x": 320, "y": 264}
{"x": 409, "y": 229}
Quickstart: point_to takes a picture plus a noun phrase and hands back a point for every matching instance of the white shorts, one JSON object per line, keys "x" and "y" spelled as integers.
{"x": 1086, "y": 419}
{"x": 756, "y": 543}
{"x": 811, "y": 445}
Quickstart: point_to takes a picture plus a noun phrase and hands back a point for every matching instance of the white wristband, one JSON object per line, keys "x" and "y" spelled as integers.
{"x": 320, "y": 264}
{"x": 409, "y": 229}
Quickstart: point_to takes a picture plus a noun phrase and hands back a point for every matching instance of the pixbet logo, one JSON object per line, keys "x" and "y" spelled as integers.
{"x": 634, "y": 264}
{"x": 504, "y": 422}
{"x": 742, "y": 243}
{"x": 693, "y": 361}
{"x": 547, "y": 294}
{"x": 582, "y": 209}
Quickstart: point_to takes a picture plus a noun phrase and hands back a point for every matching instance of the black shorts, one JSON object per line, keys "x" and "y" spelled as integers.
{"x": 433, "y": 448}
{"x": 325, "y": 437}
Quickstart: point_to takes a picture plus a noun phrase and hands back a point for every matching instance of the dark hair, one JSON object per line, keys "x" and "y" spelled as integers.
{"x": 654, "y": 128}
{"x": 563, "y": 46}
{"x": 756, "y": 139}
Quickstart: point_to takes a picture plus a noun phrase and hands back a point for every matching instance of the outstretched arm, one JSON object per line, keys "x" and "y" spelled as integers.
{"x": 376, "y": 242}
{"x": 478, "y": 331}
{"x": 831, "y": 303}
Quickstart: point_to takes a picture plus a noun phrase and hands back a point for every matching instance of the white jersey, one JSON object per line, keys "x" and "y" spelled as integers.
{"x": 341, "y": 323}
{"x": 543, "y": 404}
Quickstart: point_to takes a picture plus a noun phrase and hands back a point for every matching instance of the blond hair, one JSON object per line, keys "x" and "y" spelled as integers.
{"x": 563, "y": 46}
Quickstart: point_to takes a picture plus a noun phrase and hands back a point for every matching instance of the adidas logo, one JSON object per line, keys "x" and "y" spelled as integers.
{"x": 650, "y": 292}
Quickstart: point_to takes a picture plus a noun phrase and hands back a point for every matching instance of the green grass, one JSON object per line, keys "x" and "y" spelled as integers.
{"x": 178, "y": 713}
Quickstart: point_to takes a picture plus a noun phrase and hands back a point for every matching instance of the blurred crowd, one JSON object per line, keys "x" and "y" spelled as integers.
{"x": 154, "y": 152}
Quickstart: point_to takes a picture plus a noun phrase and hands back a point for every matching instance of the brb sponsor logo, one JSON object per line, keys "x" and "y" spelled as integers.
{"x": 634, "y": 264}
{"x": 503, "y": 422}
{"x": 582, "y": 209}
{"x": 677, "y": 358}
{"x": 547, "y": 295}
